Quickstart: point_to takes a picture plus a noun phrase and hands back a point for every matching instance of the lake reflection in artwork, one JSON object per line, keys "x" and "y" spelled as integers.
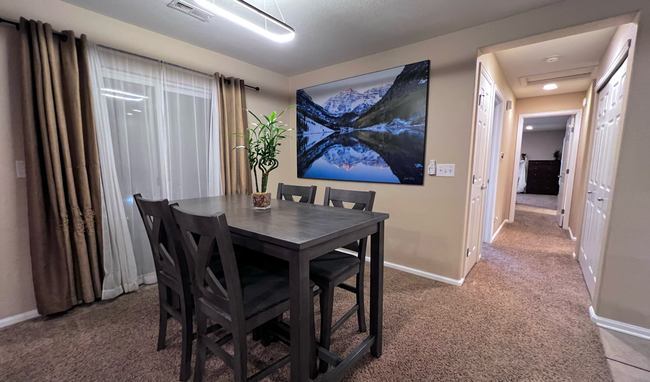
{"x": 369, "y": 128}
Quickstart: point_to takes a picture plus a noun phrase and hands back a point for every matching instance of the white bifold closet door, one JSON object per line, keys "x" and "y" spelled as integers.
{"x": 601, "y": 174}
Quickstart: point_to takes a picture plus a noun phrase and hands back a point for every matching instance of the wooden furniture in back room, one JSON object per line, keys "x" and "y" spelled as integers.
{"x": 543, "y": 177}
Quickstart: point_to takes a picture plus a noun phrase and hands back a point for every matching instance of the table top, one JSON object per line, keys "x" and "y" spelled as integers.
{"x": 288, "y": 224}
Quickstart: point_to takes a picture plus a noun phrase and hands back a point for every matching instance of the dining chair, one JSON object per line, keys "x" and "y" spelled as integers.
{"x": 173, "y": 273}
{"x": 331, "y": 270}
{"x": 239, "y": 297}
{"x": 307, "y": 194}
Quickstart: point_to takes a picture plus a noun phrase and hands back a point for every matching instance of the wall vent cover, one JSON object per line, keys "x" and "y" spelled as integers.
{"x": 190, "y": 9}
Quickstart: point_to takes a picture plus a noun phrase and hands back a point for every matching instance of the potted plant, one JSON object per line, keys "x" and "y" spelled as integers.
{"x": 263, "y": 141}
{"x": 557, "y": 154}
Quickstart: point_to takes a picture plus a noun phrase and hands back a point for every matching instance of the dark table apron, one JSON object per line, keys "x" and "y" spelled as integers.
{"x": 297, "y": 233}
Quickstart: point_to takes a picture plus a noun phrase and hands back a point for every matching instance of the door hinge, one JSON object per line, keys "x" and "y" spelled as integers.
{"x": 562, "y": 211}
{"x": 567, "y": 170}
{"x": 467, "y": 253}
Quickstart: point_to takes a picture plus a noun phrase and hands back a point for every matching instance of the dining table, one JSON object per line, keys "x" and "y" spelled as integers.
{"x": 298, "y": 233}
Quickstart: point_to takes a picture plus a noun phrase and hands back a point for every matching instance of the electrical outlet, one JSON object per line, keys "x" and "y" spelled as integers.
{"x": 447, "y": 170}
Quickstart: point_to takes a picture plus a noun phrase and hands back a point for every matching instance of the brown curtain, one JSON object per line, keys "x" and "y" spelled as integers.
{"x": 235, "y": 171}
{"x": 63, "y": 190}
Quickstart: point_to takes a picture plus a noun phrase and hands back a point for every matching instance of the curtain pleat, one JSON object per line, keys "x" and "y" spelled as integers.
{"x": 235, "y": 170}
{"x": 63, "y": 236}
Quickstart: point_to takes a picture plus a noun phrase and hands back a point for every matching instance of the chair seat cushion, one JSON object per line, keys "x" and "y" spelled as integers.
{"x": 263, "y": 287}
{"x": 332, "y": 265}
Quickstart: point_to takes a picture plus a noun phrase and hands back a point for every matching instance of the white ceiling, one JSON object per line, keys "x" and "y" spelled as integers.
{"x": 546, "y": 123}
{"x": 577, "y": 51}
{"x": 327, "y": 31}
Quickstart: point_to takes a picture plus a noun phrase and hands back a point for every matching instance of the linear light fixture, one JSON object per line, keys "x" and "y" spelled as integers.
{"x": 210, "y": 6}
{"x": 550, "y": 86}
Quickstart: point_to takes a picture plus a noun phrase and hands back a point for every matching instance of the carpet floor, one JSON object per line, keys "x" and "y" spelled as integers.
{"x": 544, "y": 201}
{"x": 521, "y": 315}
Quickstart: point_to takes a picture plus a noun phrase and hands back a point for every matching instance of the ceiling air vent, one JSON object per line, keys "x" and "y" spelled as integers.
{"x": 190, "y": 9}
{"x": 565, "y": 75}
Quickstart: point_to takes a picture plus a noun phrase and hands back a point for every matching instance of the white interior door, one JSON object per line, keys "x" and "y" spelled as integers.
{"x": 601, "y": 174}
{"x": 479, "y": 169}
{"x": 564, "y": 166}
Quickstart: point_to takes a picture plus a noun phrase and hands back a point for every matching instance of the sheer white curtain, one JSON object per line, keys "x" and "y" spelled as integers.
{"x": 156, "y": 123}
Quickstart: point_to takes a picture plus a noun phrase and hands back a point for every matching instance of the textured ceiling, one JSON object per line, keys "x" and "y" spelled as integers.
{"x": 327, "y": 31}
{"x": 577, "y": 51}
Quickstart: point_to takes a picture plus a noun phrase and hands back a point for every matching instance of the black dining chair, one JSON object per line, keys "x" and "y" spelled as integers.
{"x": 239, "y": 297}
{"x": 331, "y": 270}
{"x": 173, "y": 273}
{"x": 307, "y": 194}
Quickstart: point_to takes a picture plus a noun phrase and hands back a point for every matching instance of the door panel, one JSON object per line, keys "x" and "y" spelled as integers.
{"x": 479, "y": 170}
{"x": 601, "y": 174}
{"x": 566, "y": 146}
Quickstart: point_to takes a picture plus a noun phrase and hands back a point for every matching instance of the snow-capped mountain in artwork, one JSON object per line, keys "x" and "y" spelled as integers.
{"x": 351, "y": 100}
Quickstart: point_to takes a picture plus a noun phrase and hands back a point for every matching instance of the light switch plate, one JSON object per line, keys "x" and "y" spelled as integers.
{"x": 20, "y": 169}
{"x": 447, "y": 170}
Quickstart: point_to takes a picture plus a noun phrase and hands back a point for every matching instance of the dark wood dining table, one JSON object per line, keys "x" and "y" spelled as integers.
{"x": 298, "y": 233}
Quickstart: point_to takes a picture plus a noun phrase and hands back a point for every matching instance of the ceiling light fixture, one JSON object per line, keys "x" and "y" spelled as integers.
{"x": 550, "y": 86}
{"x": 210, "y": 6}
{"x": 529, "y": 127}
{"x": 552, "y": 59}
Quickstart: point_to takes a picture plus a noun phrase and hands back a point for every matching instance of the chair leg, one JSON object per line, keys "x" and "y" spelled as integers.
{"x": 187, "y": 328}
{"x": 240, "y": 356}
{"x": 313, "y": 367}
{"x": 164, "y": 316}
{"x": 326, "y": 307}
{"x": 201, "y": 329}
{"x": 361, "y": 312}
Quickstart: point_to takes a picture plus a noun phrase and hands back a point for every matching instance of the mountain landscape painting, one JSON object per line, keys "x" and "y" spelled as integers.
{"x": 369, "y": 128}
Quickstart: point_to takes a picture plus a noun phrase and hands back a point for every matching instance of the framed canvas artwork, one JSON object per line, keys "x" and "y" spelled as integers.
{"x": 369, "y": 128}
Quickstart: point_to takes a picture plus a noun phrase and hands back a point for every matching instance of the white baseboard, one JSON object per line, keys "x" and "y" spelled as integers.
{"x": 498, "y": 230}
{"x": 618, "y": 326}
{"x": 424, "y": 274}
{"x": 18, "y": 318}
{"x": 571, "y": 234}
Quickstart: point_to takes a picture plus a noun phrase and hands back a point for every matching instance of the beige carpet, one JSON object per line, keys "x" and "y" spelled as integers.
{"x": 522, "y": 315}
{"x": 544, "y": 201}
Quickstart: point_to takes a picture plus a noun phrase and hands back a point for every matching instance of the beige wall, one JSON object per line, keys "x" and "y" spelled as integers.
{"x": 504, "y": 178}
{"x": 540, "y": 145}
{"x": 16, "y": 291}
{"x": 583, "y": 158}
{"x": 568, "y": 101}
{"x": 623, "y": 284}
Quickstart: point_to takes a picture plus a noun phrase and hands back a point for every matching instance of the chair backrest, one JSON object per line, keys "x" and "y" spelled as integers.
{"x": 204, "y": 237}
{"x": 307, "y": 194}
{"x": 169, "y": 257}
{"x": 363, "y": 201}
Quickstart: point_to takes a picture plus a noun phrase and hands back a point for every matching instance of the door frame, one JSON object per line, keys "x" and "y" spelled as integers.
{"x": 573, "y": 154}
{"x": 493, "y": 165}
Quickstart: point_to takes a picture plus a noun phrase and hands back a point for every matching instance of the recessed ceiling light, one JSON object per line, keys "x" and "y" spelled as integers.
{"x": 529, "y": 127}
{"x": 550, "y": 86}
{"x": 552, "y": 58}
{"x": 286, "y": 37}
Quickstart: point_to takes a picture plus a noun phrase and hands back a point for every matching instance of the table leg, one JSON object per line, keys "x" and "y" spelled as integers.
{"x": 377, "y": 288}
{"x": 300, "y": 317}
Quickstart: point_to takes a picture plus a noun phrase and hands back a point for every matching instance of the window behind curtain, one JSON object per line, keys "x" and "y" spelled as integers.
{"x": 160, "y": 118}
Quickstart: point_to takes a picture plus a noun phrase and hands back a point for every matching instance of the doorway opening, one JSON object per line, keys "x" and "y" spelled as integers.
{"x": 532, "y": 90}
{"x": 547, "y": 152}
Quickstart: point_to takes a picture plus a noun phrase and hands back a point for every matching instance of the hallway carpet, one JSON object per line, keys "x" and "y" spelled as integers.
{"x": 521, "y": 315}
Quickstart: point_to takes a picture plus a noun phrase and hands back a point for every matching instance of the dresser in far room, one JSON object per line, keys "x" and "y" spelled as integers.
{"x": 543, "y": 177}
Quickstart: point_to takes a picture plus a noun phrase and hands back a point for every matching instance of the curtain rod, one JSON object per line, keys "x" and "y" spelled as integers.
{"x": 16, "y": 24}
{"x": 256, "y": 88}
{"x": 65, "y": 38}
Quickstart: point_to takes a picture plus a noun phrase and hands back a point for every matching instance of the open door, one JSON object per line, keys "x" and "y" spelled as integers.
{"x": 564, "y": 171}
{"x": 484, "y": 105}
